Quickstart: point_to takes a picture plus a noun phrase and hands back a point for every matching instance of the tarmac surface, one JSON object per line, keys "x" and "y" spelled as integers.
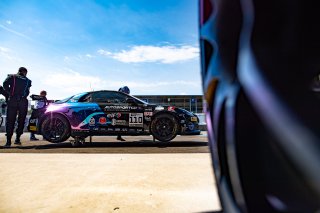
{"x": 138, "y": 175}
{"x": 109, "y": 144}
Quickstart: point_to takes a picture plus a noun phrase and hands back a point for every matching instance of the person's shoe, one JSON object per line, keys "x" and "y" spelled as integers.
{"x": 17, "y": 141}
{"x": 120, "y": 139}
{"x": 34, "y": 139}
{"x": 7, "y": 145}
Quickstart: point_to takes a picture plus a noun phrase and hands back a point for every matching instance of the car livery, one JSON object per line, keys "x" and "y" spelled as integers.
{"x": 110, "y": 113}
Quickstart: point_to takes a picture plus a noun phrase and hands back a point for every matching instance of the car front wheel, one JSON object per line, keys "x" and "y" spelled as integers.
{"x": 55, "y": 128}
{"x": 164, "y": 127}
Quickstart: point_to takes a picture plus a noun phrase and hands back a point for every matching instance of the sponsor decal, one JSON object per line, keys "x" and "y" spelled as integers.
{"x": 121, "y": 122}
{"x": 102, "y": 120}
{"x": 96, "y": 129}
{"x": 120, "y": 108}
{"x": 148, "y": 109}
{"x": 136, "y": 119}
{"x": 148, "y": 113}
{"x": 87, "y": 120}
{"x": 117, "y": 129}
{"x": 147, "y": 118}
{"x": 194, "y": 119}
{"x": 124, "y": 130}
{"x": 110, "y": 129}
{"x": 80, "y": 130}
{"x": 92, "y": 121}
{"x": 190, "y": 126}
{"x": 171, "y": 108}
{"x": 159, "y": 108}
{"x": 118, "y": 122}
{"x": 33, "y": 121}
{"x": 132, "y": 130}
{"x": 114, "y": 115}
{"x": 139, "y": 130}
{"x": 33, "y": 128}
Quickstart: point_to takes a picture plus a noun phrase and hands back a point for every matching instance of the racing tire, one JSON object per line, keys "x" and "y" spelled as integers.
{"x": 55, "y": 128}
{"x": 164, "y": 127}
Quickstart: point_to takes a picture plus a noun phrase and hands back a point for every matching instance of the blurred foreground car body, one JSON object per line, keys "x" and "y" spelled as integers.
{"x": 110, "y": 113}
{"x": 258, "y": 61}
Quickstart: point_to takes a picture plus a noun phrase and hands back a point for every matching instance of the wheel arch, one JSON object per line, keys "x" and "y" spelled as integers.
{"x": 43, "y": 117}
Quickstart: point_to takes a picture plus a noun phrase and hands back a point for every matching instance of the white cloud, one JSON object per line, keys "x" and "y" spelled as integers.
{"x": 70, "y": 82}
{"x": 153, "y": 85}
{"x": 4, "y": 49}
{"x": 78, "y": 57}
{"x": 6, "y": 53}
{"x": 89, "y": 56}
{"x": 9, "y": 22}
{"x": 66, "y": 58}
{"x": 14, "y": 32}
{"x": 64, "y": 83}
{"x": 163, "y": 54}
{"x": 104, "y": 52}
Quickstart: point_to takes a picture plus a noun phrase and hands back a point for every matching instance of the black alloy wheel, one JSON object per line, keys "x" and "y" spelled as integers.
{"x": 164, "y": 127}
{"x": 55, "y": 128}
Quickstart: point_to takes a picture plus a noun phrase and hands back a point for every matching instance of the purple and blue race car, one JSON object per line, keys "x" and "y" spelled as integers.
{"x": 110, "y": 113}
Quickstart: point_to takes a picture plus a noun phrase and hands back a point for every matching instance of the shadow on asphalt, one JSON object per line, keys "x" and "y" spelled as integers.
{"x": 137, "y": 144}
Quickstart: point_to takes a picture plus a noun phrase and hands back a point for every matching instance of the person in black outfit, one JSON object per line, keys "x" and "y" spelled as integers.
{"x": 39, "y": 104}
{"x": 17, "y": 88}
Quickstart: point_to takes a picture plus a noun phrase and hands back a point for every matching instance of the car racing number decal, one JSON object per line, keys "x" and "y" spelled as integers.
{"x": 136, "y": 119}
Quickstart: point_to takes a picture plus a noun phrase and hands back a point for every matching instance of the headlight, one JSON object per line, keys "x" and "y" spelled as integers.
{"x": 52, "y": 108}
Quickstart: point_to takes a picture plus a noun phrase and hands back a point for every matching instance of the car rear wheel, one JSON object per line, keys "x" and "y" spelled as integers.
{"x": 164, "y": 127}
{"x": 55, "y": 128}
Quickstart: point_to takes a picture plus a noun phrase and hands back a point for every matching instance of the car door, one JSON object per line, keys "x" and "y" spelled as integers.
{"x": 116, "y": 111}
{"x": 123, "y": 114}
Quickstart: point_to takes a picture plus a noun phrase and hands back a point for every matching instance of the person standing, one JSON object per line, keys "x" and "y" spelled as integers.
{"x": 17, "y": 86}
{"x": 126, "y": 90}
{"x": 38, "y": 105}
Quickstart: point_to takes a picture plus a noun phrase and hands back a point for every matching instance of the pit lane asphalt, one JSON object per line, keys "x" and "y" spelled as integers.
{"x": 109, "y": 144}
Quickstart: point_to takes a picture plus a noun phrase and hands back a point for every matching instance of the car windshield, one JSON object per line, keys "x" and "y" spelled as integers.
{"x": 185, "y": 111}
{"x": 63, "y": 100}
{"x": 139, "y": 100}
{"x": 74, "y": 98}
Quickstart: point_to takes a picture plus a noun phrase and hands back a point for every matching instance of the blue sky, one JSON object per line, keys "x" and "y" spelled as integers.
{"x": 72, "y": 46}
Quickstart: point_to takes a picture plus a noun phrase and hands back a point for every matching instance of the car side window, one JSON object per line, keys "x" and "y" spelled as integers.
{"x": 86, "y": 98}
{"x": 109, "y": 97}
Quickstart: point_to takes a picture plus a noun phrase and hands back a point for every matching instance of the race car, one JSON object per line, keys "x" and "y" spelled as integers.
{"x": 108, "y": 112}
